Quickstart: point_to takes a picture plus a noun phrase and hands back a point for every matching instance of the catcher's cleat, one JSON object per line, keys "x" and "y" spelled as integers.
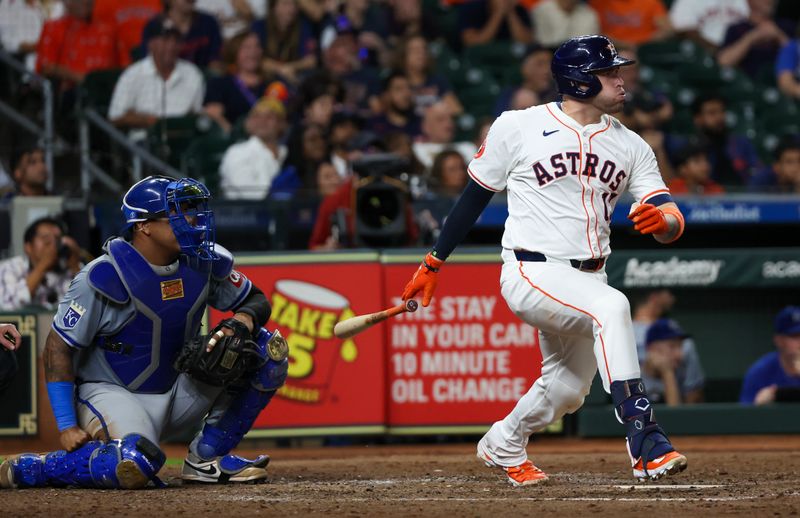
{"x": 228, "y": 468}
{"x": 525, "y": 474}
{"x": 7, "y": 475}
{"x": 25, "y": 470}
{"x": 667, "y": 464}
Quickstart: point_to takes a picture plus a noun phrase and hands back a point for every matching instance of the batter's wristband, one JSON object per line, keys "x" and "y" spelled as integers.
{"x": 679, "y": 217}
{"x": 62, "y": 401}
{"x": 429, "y": 261}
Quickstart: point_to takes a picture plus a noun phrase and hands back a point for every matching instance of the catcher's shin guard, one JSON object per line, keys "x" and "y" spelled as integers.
{"x": 221, "y": 437}
{"x": 646, "y": 440}
{"x": 127, "y": 463}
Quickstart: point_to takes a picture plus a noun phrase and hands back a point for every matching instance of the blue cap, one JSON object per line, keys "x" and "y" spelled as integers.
{"x": 788, "y": 321}
{"x": 664, "y": 329}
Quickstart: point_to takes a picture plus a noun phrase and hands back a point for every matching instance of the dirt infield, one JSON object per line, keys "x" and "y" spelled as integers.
{"x": 756, "y": 476}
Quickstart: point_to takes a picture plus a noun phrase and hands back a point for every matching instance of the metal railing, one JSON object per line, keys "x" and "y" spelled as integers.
{"x": 140, "y": 156}
{"x": 45, "y": 134}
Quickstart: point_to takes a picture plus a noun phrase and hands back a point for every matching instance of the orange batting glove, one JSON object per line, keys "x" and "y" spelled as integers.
{"x": 425, "y": 279}
{"x": 649, "y": 219}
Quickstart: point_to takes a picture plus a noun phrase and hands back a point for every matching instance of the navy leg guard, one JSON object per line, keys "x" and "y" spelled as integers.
{"x": 127, "y": 463}
{"x": 220, "y": 438}
{"x": 645, "y": 438}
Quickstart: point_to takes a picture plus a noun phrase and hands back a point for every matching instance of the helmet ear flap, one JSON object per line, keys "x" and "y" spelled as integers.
{"x": 577, "y": 84}
{"x": 145, "y": 199}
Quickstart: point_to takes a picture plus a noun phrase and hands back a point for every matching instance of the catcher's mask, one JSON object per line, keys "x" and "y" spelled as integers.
{"x": 184, "y": 202}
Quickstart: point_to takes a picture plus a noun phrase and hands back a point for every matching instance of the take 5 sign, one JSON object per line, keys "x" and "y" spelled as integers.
{"x": 333, "y": 386}
{"x": 463, "y": 361}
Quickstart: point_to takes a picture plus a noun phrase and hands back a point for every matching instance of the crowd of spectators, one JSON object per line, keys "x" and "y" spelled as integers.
{"x": 298, "y": 89}
{"x": 302, "y": 90}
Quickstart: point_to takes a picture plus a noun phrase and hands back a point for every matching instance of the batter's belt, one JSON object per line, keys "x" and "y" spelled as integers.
{"x": 587, "y": 265}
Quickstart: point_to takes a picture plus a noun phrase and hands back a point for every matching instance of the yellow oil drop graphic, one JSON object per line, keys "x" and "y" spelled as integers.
{"x": 349, "y": 351}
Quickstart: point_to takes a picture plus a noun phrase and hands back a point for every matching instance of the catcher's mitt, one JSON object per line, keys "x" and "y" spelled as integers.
{"x": 231, "y": 358}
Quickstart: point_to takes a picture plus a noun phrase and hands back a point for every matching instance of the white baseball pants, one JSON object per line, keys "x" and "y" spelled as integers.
{"x": 584, "y": 326}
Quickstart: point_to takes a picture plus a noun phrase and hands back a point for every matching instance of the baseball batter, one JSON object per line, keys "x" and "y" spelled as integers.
{"x": 112, "y": 355}
{"x": 564, "y": 166}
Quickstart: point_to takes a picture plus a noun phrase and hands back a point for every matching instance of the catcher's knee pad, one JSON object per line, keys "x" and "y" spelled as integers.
{"x": 645, "y": 438}
{"x": 127, "y": 463}
{"x": 221, "y": 437}
{"x": 272, "y": 375}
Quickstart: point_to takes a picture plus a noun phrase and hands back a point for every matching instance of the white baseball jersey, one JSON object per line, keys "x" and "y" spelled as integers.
{"x": 537, "y": 154}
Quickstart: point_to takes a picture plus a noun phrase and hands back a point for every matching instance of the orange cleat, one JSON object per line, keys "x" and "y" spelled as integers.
{"x": 668, "y": 464}
{"x": 525, "y": 474}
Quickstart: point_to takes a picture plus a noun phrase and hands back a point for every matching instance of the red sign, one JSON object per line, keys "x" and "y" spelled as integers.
{"x": 332, "y": 382}
{"x": 465, "y": 359}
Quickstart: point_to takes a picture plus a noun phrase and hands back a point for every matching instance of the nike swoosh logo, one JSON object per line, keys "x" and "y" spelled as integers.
{"x": 211, "y": 470}
{"x": 548, "y": 133}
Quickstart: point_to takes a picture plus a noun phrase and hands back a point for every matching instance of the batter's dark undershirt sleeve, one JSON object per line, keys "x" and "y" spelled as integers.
{"x": 257, "y": 306}
{"x": 461, "y": 219}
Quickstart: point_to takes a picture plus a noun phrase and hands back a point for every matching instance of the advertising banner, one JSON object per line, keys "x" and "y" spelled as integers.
{"x": 453, "y": 367}
{"x": 462, "y": 362}
{"x": 755, "y": 268}
{"x": 334, "y": 386}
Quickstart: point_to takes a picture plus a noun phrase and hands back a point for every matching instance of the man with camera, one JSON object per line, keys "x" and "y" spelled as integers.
{"x": 372, "y": 208}
{"x": 42, "y": 274}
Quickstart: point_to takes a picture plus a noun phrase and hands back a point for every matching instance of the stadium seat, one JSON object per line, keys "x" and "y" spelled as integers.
{"x": 479, "y": 98}
{"x": 780, "y": 117}
{"x": 170, "y": 137}
{"x": 496, "y": 58}
{"x": 702, "y": 73}
{"x": 672, "y": 53}
{"x": 455, "y": 72}
{"x": 445, "y": 20}
{"x": 447, "y": 63}
{"x": 737, "y": 87}
{"x": 202, "y": 158}
{"x": 772, "y": 101}
{"x": 742, "y": 120}
{"x": 97, "y": 89}
{"x": 765, "y": 146}
{"x": 658, "y": 81}
{"x": 682, "y": 122}
{"x": 766, "y": 75}
{"x": 683, "y": 97}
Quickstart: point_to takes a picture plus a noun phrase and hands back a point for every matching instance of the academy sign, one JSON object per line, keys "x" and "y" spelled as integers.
{"x": 671, "y": 272}
{"x": 781, "y": 269}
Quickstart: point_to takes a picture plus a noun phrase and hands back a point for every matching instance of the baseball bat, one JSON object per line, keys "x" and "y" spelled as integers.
{"x": 354, "y": 325}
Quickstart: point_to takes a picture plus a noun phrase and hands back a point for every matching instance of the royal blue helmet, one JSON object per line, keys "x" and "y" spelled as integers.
{"x": 184, "y": 202}
{"x": 576, "y": 60}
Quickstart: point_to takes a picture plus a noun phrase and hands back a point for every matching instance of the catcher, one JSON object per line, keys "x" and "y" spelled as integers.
{"x": 125, "y": 366}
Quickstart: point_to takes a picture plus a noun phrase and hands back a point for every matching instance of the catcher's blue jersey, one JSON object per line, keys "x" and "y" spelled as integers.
{"x": 129, "y": 318}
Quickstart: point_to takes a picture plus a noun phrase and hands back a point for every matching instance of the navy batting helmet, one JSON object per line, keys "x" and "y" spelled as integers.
{"x": 184, "y": 202}
{"x": 575, "y": 61}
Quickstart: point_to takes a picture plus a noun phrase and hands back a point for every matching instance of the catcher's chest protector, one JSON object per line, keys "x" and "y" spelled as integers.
{"x": 168, "y": 312}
